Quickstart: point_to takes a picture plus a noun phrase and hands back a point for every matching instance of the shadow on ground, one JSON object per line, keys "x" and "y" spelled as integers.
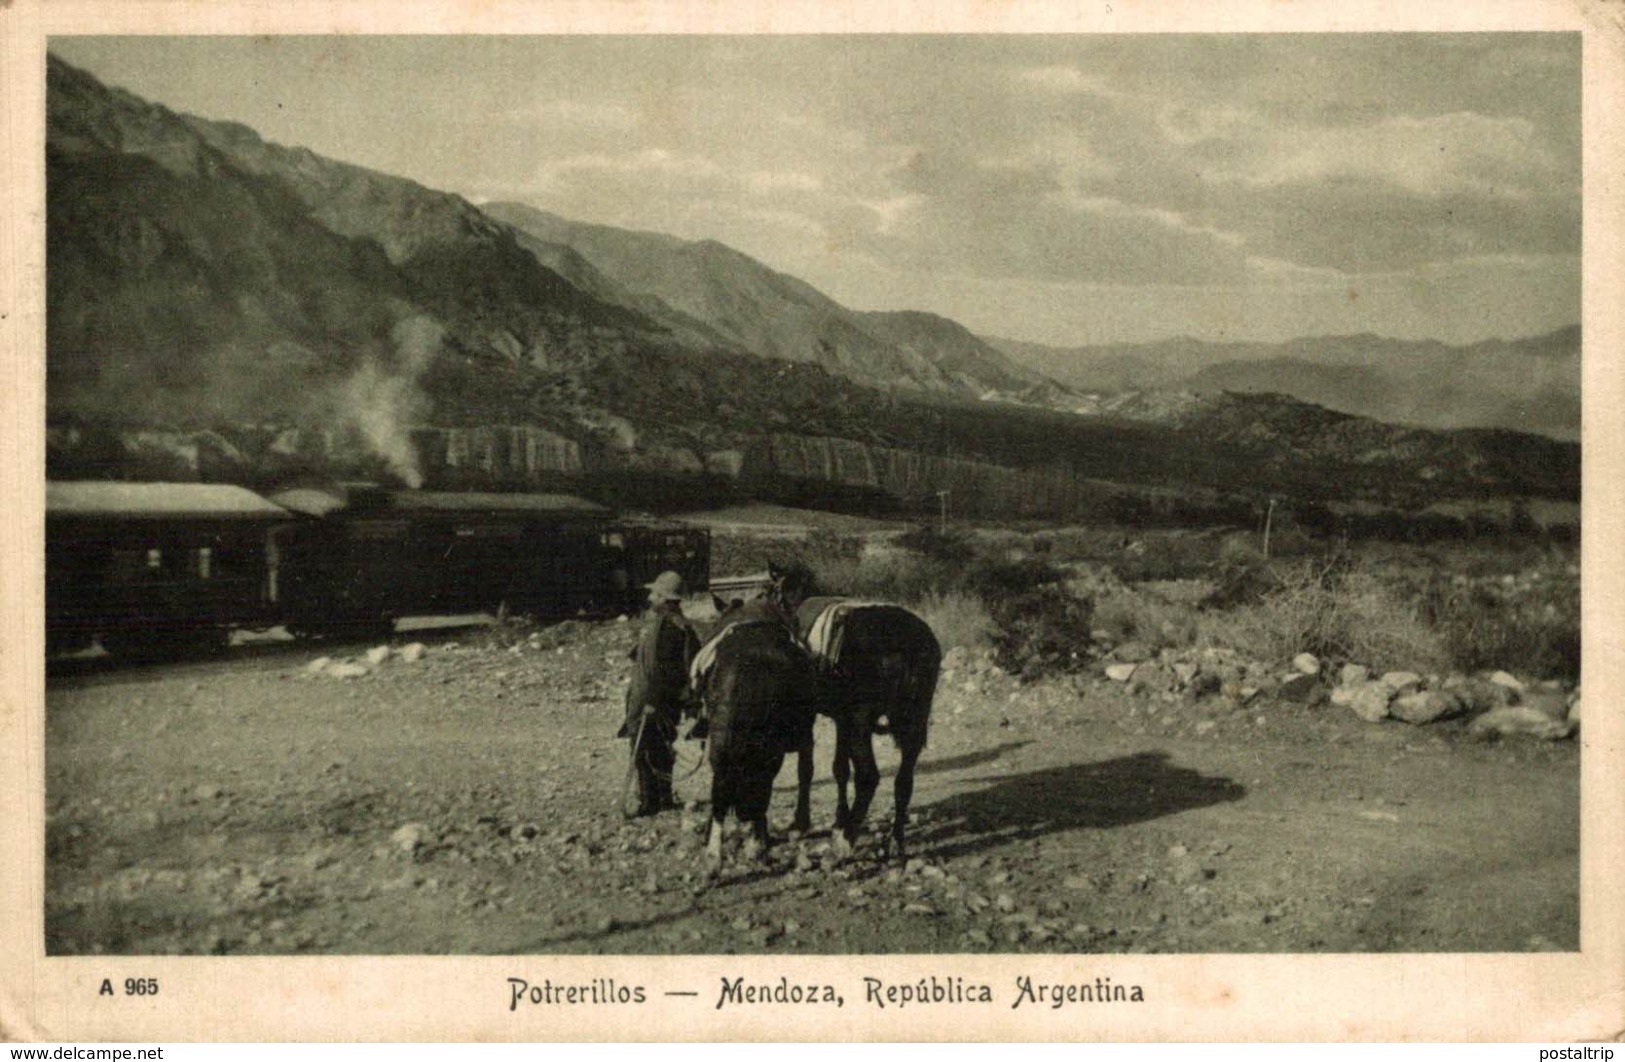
{"x": 1115, "y": 792}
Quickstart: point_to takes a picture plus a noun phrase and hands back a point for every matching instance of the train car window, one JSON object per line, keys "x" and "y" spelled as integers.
{"x": 155, "y": 559}
{"x": 378, "y": 530}
{"x": 614, "y": 540}
{"x": 487, "y": 531}
{"x": 205, "y": 562}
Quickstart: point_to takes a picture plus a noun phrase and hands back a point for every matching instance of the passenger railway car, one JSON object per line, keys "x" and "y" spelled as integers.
{"x": 365, "y": 556}
{"x": 148, "y": 564}
{"x": 146, "y": 567}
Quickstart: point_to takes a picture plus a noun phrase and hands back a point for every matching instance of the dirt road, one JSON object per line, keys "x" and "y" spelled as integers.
{"x": 466, "y": 803}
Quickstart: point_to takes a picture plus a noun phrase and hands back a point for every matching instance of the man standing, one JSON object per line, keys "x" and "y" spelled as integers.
{"x": 654, "y": 698}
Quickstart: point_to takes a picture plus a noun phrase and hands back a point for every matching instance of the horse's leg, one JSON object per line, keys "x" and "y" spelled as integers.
{"x": 755, "y": 850}
{"x": 861, "y": 747}
{"x": 721, "y": 801}
{"x": 713, "y": 847}
{"x": 841, "y": 768}
{"x": 902, "y": 794}
{"x": 804, "y": 777}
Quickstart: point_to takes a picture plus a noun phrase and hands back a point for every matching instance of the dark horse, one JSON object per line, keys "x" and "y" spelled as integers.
{"x": 878, "y": 666}
{"x": 757, "y": 684}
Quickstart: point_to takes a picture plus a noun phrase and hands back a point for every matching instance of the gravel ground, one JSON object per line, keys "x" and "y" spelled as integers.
{"x": 466, "y": 803}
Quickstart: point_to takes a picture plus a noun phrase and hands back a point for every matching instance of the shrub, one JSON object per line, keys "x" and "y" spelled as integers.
{"x": 1144, "y": 618}
{"x": 1041, "y": 630}
{"x": 892, "y": 576}
{"x": 936, "y": 544}
{"x": 1339, "y": 614}
{"x": 1527, "y": 633}
{"x": 992, "y": 577}
{"x": 957, "y": 619}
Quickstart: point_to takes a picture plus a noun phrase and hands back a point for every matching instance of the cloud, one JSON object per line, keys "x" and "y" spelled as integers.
{"x": 1461, "y": 153}
{"x": 574, "y": 114}
{"x": 1066, "y": 80}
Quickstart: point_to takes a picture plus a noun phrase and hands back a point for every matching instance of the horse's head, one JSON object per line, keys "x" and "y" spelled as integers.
{"x": 789, "y": 586}
{"x": 727, "y": 612}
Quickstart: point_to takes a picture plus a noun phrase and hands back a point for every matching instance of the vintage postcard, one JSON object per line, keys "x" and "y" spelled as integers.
{"x": 715, "y": 521}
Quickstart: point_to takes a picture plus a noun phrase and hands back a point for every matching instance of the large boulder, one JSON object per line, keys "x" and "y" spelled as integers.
{"x": 1554, "y": 704}
{"x": 1479, "y": 694}
{"x": 1353, "y": 674}
{"x": 1426, "y": 706}
{"x": 1401, "y": 681}
{"x": 1370, "y": 700}
{"x": 1521, "y": 719}
{"x": 1298, "y": 686}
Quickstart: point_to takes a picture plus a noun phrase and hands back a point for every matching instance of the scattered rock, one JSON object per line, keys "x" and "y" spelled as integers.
{"x": 1132, "y": 652}
{"x": 1121, "y": 672}
{"x": 411, "y": 837}
{"x": 1479, "y": 694}
{"x": 207, "y": 791}
{"x": 348, "y": 670}
{"x": 411, "y": 654}
{"x": 377, "y": 655}
{"x": 1353, "y": 674}
{"x": 1554, "y": 704}
{"x": 1426, "y": 706}
{"x": 1521, "y": 719}
{"x": 1370, "y": 701}
{"x": 1506, "y": 680}
{"x": 1401, "y": 681}
{"x": 1298, "y": 686}
{"x": 1306, "y": 663}
{"x": 318, "y": 665}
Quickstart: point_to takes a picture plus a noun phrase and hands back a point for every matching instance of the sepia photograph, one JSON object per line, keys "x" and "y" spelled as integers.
{"x": 920, "y": 522}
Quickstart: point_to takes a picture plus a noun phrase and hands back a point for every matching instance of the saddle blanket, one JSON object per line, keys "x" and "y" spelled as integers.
{"x": 706, "y": 658}
{"x": 828, "y": 631}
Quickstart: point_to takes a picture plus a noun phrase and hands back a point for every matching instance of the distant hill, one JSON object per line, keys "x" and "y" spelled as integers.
{"x": 755, "y": 309}
{"x": 1530, "y": 384}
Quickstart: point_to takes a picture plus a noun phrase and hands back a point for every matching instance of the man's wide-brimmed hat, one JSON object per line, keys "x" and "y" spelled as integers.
{"x": 668, "y": 586}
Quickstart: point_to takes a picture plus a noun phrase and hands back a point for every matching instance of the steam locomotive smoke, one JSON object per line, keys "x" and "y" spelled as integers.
{"x": 385, "y": 398}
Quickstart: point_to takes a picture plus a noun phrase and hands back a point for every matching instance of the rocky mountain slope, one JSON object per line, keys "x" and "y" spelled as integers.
{"x": 1530, "y": 384}
{"x": 756, "y": 309}
{"x": 226, "y": 308}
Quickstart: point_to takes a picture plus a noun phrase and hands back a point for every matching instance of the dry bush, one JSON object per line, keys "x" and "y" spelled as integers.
{"x": 1041, "y": 630}
{"x": 1340, "y": 614}
{"x": 901, "y": 577}
{"x": 1145, "y": 618}
{"x": 957, "y": 619}
{"x": 1535, "y": 634}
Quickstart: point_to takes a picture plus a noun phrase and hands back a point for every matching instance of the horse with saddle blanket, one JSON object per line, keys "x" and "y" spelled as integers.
{"x": 877, "y": 665}
{"x": 756, "y": 683}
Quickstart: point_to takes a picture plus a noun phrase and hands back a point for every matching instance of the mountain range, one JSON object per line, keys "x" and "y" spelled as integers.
{"x": 200, "y": 278}
{"x": 1530, "y": 384}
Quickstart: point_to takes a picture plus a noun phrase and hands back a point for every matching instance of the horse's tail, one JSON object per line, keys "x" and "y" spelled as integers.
{"x": 912, "y": 674}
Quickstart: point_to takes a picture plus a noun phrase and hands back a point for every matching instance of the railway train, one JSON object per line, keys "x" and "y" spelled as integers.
{"x": 154, "y": 568}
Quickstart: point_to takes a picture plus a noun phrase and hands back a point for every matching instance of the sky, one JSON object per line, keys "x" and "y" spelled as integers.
{"x": 1068, "y": 190}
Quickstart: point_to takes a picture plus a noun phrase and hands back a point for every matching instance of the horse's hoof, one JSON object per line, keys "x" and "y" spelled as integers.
{"x": 842, "y": 846}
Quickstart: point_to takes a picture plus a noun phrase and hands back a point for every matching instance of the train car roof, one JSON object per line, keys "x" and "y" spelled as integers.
{"x": 488, "y": 502}
{"x": 216, "y": 501}
{"x": 320, "y": 502}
